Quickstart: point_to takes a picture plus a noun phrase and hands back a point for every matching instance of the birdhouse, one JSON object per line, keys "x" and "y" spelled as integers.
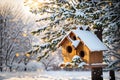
{"x": 84, "y": 43}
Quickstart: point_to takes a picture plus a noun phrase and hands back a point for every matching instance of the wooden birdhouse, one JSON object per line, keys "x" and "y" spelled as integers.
{"x": 84, "y": 43}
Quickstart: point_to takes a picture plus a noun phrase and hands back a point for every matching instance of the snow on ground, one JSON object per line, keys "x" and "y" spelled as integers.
{"x": 52, "y": 75}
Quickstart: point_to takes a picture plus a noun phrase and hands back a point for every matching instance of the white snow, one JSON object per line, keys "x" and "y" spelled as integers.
{"x": 79, "y": 13}
{"x": 75, "y": 43}
{"x": 76, "y": 57}
{"x": 68, "y": 63}
{"x": 81, "y": 64}
{"x": 90, "y": 40}
{"x": 99, "y": 63}
{"x": 52, "y": 75}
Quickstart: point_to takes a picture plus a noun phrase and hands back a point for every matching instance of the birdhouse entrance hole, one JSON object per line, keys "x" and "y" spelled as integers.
{"x": 82, "y": 53}
{"x": 69, "y": 49}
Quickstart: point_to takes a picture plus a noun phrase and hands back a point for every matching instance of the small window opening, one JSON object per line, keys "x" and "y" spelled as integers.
{"x": 82, "y": 53}
{"x": 74, "y": 38}
{"x": 69, "y": 49}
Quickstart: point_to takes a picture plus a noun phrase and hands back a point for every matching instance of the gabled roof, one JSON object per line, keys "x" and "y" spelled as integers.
{"x": 88, "y": 38}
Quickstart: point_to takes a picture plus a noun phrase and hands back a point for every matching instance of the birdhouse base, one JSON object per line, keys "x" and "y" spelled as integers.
{"x": 95, "y": 65}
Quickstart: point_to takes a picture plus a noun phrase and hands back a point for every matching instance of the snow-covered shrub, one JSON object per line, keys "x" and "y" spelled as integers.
{"x": 76, "y": 64}
{"x": 76, "y": 60}
{"x": 15, "y": 66}
{"x": 34, "y": 66}
{"x": 56, "y": 67}
{"x": 68, "y": 65}
{"x": 62, "y": 65}
{"x": 81, "y": 65}
{"x": 21, "y": 67}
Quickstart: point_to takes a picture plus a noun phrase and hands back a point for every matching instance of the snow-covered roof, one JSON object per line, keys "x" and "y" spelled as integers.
{"x": 75, "y": 43}
{"x": 90, "y": 40}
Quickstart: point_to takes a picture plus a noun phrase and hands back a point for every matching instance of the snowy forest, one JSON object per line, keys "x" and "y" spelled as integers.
{"x": 31, "y": 30}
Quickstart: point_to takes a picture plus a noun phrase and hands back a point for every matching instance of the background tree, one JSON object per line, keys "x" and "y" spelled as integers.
{"x": 13, "y": 35}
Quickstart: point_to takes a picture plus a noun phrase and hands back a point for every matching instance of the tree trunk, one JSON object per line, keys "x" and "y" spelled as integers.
{"x": 112, "y": 75}
{"x": 1, "y": 53}
{"x": 98, "y": 32}
{"x": 0, "y": 67}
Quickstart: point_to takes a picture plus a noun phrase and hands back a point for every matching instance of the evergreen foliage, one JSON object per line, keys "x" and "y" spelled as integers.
{"x": 64, "y": 15}
{"x": 111, "y": 34}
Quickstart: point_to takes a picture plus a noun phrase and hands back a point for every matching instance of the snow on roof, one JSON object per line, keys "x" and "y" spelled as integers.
{"x": 90, "y": 40}
{"x": 75, "y": 43}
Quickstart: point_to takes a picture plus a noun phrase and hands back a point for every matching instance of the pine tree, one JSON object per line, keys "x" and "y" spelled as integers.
{"x": 111, "y": 34}
{"x": 102, "y": 16}
{"x": 64, "y": 15}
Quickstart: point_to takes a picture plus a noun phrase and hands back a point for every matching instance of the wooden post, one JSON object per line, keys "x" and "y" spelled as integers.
{"x": 97, "y": 73}
{"x": 112, "y": 75}
{"x": 99, "y": 35}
